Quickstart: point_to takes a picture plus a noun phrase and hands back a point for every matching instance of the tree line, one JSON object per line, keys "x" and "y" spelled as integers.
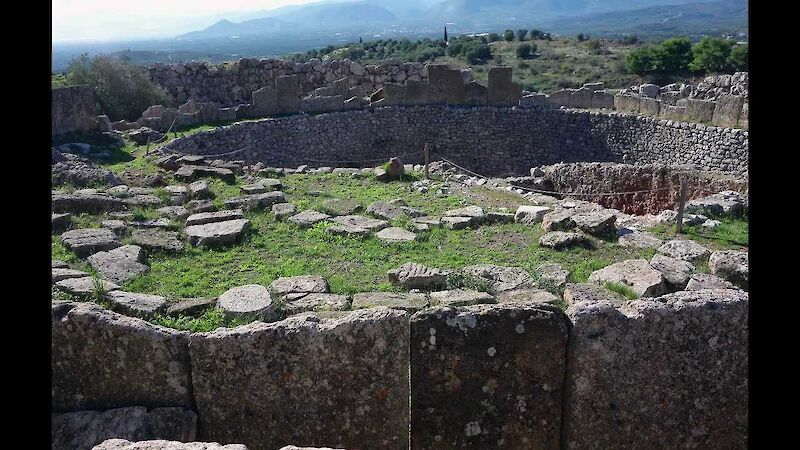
{"x": 678, "y": 54}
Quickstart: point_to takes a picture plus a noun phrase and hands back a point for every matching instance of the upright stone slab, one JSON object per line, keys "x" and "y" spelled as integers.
{"x": 670, "y": 372}
{"x": 649, "y": 106}
{"x": 394, "y": 93}
{"x": 487, "y": 376}
{"x": 416, "y": 92}
{"x": 581, "y": 98}
{"x": 699, "y": 110}
{"x": 288, "y": 91}
{"x": 602, "y": 100}
{"x": 438, "y": 78}
{"x": 503, "y": 91}
{"x": 626, "y": 103}
{"x": 673, "y": 112}
{"x": 454, "y": 88}
{"x": 561, "y": 98}
{"x": 728, "y": 110}
{"x": 305, "y": 381}
{"x": 101, "y": 360}
{"x": 475, "y": 93}
{"x": 744, "y": 118}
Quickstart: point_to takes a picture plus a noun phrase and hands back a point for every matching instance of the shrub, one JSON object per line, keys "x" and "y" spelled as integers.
{"x": 640, "y": 60}
{"x": 477, "y": 52}
{"x": 738, "y": 58}
{"x": 521, "y": 34}
{"x": 711, "y": 55}
{"x": 582, "y": 37}
{"x": 523, "y": 50}
{"x": 493, "y": 37}
{"x": 508, "y": 36}
{"x": 594, "y": 47}
{"x": 629, "y": 39}
{"x": 121, "y": 89}
{"x": 673, "y": 55}
{"x": 537, "y": 34}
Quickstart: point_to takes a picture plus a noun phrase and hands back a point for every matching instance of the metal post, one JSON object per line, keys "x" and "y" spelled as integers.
{"x": 427, "y": 157}
{"x": 681, "y": 206}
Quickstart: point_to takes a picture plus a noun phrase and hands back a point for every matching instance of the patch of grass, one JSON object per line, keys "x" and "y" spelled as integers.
{"x": 458, "y": 280}
{"x": 208, "y": 321}
{"x": 621, "y": 289}
{"x": 731, "y": 232}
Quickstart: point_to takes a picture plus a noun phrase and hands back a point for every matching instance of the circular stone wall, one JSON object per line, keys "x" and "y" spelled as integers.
{"x": 490, "y": 141}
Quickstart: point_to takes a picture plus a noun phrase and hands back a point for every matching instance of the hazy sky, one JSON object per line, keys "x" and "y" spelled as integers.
{"x": 106, "y": 20}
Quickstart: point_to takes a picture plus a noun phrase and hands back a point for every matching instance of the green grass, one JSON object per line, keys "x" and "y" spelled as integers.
{"x": 730, "y": 233}
{"x": 621, "y": 289}
{"x": 211, "y": 319}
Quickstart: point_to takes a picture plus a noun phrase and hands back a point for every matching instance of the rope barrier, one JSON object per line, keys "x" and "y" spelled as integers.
{"x": 567, "y": 194}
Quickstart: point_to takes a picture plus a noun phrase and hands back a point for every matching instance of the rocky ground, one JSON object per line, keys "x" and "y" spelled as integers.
{"x": 196, "y": 243}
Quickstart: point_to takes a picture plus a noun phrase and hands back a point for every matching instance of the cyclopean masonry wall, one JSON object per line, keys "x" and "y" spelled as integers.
{"x": 491, "y": 141}
{"x": 72, "y": 110}
{"x": 665, "y": 372}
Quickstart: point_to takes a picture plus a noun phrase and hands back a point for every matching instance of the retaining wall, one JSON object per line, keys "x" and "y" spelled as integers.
{"x": 493, "y": 141}
{"x": 659, "y": 373}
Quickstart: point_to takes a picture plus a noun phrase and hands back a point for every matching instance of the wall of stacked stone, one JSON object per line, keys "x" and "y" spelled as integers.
{"x": 665, "y": 372}
{"x": 231, "y": 84}
{"x": 72, "y": 110}
{"x": 493, "y": 141}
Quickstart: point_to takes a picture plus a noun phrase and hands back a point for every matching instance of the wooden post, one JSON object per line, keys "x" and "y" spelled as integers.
{"x": 681, "y": 206}
{"x": 427, "y": 157}
{"x": 247, "y": 160}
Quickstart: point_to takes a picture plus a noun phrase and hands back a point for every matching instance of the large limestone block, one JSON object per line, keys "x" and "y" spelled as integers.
{"x": 728, "y": 110}
{"x": 416, "y": 92}
{"x": 649, "y": 106}
{"x": 637, "y": 274}
{"x": 732, "y": 266}
{"x": 160, "y": 444}
{"x": 502, "y": 90}
{"x": 438, "y": 78}
{"x": 288, "y": 94}
{"x": 487, "y": 376}
{"x": 560, "y": 98}
{"x": 101, "y": 360}
{"x": 602, "y": 100}
{"x": 673, "y": 112}
{"x": 475, "y": 93}
{"x": 581, "y": 98}
{"x": 394, "y": 93}
{"x": 626, "y": 103}
{"x": 669, "y": 372}
{"x": 305, "y": 381}
{"x": 699, "y": 110}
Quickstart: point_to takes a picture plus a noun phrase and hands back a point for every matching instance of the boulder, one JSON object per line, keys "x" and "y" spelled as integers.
{"x": 551, "y": 275}
{"x": 102, "y": 360}
{"x": 340, "y": 207}
{"x": 501, "y": 278}
{"x": 63, "y": 273}
{"x": 676, "y": 271}
{"x": 86, "y": 241}
{"x": 152, "y": 239}
{"x": 217, "y": 233}
{"x": 700, "y": 281}
{"x": 637, "y": 274}
{"x": 199, "y": 189}
{"x": 211, "y": 217}
{"x": 292, "y": 288}
{"x": 732, "y": 266}
{"x": 527, "y": 296}
{"x": 416, "y": 276}
{"x": 120, "y": 264}
{"x": 60, "y": 221}
{"x": 561, "y": 239}
{"x": 191, "y": 306}
{"x": 558, "y": 220}
{"x": 589, "y": 293}
{"x": 487, "y": 375}
{"x": 136, "y": 304}
{"x": 251, "y": 301}
{"x": 283, "y": 210}
{"x": 343, "y": 382}
{"x": 530, "y": 214}
{"x": 686, "y": 250}
{"x": 396, "y": 234}
{"x": 308, "y": 218}
{"x": 638, "y": 239}
{"x": 85, "y": 287}
{"x": 597, "y": 223}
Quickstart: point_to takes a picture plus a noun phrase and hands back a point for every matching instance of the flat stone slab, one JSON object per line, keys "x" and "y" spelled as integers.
{"x": 152, "y": 223}
{"x": 638, "y": 239}
{"x": 308, "y": 218}
{"x": 252, "y": 189}
{"x": 199, "y": 189}
{"x": 101, "y": 360}
{"x": 120, "y": 264}
{"x": 57, "y": 263}
{"x": 686, "y": 250}
{"x": 460, "y": 297}
{"x": 396, "y": 234}
{"x": 157, "y": 239}
{"x": 707, "y": 281}
{"x": 359, "y": 225}
{"x": 271, "y": 183}
{"x": 145, "y": 200}
{"x": 590, "y": 293}
{"x": 690, "y": 350}
{"x": 197, "y": 206}
{"x": 530, "y": 214}
{"x": 732, "y": 266}
{"x": 551, "y": 275}
{"x": 84, "y": 287}
{"x": 136, "y": 304}
{"x": 468, "y": 211}
{"x": 217, "y": 233}
{"x": 340, "y": 207}
{"x": 499, "y": 217}
{"x": 317, "y": 302}
{"x": 89, "y": 430}
{"x": 676, "y": 272}
{"x": 174, "y": 212}
{"x": 564, "y": 239}
{"x": 559, "y": 220}
{"x": 416, "y": 276}
{"x": 63, "y": 273}
{"x": 216, "y": 216}
{"x": 501, "y": 278}
{"x": 539, "y": 296}
{"x": 86, "y": 203}
{"x": 191, "y": 306}
{"x": 637, "y": 274}
{"x": 456, "y": 223}
{"x": 160, "y": 444}
{"x": 391, "y": 211}
{"x": 406, "y": 301}
{"x": 351, "y": 374}
{"x": 248, "y": 301}
{"x": 506, "y": 358}
{"x": 190, "y": 172}
{"x": 86, "y": 241}
{"x": 267, "y": 199}
{"x": 298, "y": 286}
{"x": 597, "y": 223}
{"x": 282, "y": 210}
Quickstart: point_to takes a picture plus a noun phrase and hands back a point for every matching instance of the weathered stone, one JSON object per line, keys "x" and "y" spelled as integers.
{"x": 686, "y": 250}
{"x": 649, "y": 90}
{"x": 199, "y": 189}
{"x": 726, "y": 203}
{"x": 627, "y": 103}
{"x": 160, "y": 444}
{"x": 120, "y": 264}
{"x": 551, "y": 275}
{"x": 527, "y": 296}
{"x": 637, "y": 274}
{"x": 87, "y": 430}
{"x": 692, "y": 398}
{"x": 596, "y": 223}
{"x": 298, "y": 286}
{"x": 211, "y": 217}
{"x": 197, "y": 206}
{"x": 638, "y": 239}
{"x": 282, "y": 210}
{"x": 146, "y": 200}
{"x": 475, "y": 93}
{"x": 500, "y": 278}
{"x": 560, "y": 97}
{"x": 308, "y": 218}
{"x": 265, "y": 101}
{"x": 499, "y": 217}
{"x": 502, "y": 91}
{"x": 190, "y": 172}
{"x": 63, "y": 273}
{"x": 558, "y": 220}
{"x": 699, "y": 110}
{"x": 590, "y": 293}
{"x": 340, "y": 382}
{"x": 707, "y": 281}
{"x": 563, "y": 239}
{"x": 416, "y": 276}
{"x": 56, "y": 263}
{"x": 101, "y": 360}
{"x": 217, "y": 233}
{"x": 581, "y": 98}
{"x": 251, "y": 301}
{"x": 460, "y": 297}
{"x": 157, "y": 240}
{"x": 506, "y": 359}
{"x": 406, "y": 301}
{"x": 457, "y": 223}
{"x": 475, "y": 212}
{"x": 340, "y": 206}
{"x": 136, "y": 304}
{"x": 396, "y": 234}
{"x": 60, "y": 221}
{"x": 317, "y": 302}
{"x": 356, "y": 225}
{"x": 727, "y": 111}
{"x": 676, "y": 272}
{"x": 530, "y": 214}
{"x": 86, "y": 241}
{"x": 732, "y": 266}
{"x": 602, "y": 100}
{"x": 192, "y": 306}
{"x": 86, "y": 286}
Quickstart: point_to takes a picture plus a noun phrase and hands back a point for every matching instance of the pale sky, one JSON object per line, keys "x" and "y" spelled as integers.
{"x": 107, "y": 20}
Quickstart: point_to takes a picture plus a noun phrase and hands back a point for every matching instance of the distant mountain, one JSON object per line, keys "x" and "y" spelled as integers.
{"x": 225, "y": 28}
